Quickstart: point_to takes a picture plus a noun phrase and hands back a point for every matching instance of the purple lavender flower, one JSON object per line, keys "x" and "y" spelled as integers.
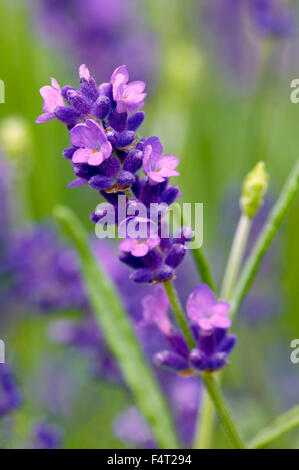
{"x": 131, "y": 427}
{"x": 93, "y": 144}
{"x": 128, "y": 97}
{"x": 10, "y": 398}
{"x": 44, "y": 272}
{"x": 46, "y": 436}
{"x": 52, "y": 99}
{"x": 156, "y": 167}
{"x": 106, "y": 154}
{"x": 272, "y": 17}
{"x": 85, "y": 335}
{"x": 204, "y": 311}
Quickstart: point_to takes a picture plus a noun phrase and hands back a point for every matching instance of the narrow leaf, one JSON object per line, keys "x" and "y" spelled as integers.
{"x": 119, "y": 334}
{"x": 280, "y": 426}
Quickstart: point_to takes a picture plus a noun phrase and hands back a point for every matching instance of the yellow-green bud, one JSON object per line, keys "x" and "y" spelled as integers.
{"x": 14, "y": 136}
{"x": 255, "y": 187}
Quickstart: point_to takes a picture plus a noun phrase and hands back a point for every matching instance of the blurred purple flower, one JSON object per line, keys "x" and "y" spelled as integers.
{"x": 237, "y": 29}
{"x": 46, "y": 436}
{"x": 209, "y": 323}
{"x": 52, "y": 99}
{"x": 44, "y": 272}
{"x": 10, "y": 398}
{"x": 131, "y": 427}
{"x": 205, "y": 312}
{"x": 273, "y": 17}
{"x": 103, "y": 33}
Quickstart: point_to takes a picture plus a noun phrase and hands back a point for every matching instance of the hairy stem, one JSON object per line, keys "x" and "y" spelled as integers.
{"x": 179, "y": 313}
{"x": 216, "y": 396}
{"x": 204, "y": 426}
{"x": 235, "y": 257}
{"x": 203, "y": 268}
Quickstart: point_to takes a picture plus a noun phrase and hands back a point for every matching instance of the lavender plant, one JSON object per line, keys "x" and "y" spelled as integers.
{"x": 107, "y": 154}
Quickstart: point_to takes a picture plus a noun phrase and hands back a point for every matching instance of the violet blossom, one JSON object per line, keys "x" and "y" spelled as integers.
{"x": 209, "y": 324}
{"x": 10, "y": 398}
{"x": 107, "y": 154}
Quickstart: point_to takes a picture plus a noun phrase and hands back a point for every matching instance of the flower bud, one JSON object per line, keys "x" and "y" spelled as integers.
{"x": 255, "y": 187}
{"x": 66, "y": 115}
{"x": 135, "y": 121}
{"x": 171, "y": 361}
{"x": 133, "y": 161}
{"x": 100, "y": 182}
{"x": 176, "y": 255}
{"x": 78, "y": 102}
{"x": 102, "y": 107}
{"x": 125, "y": 179}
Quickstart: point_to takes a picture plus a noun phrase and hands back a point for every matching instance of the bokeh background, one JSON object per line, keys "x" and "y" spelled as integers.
{"x": 218, "y": 76}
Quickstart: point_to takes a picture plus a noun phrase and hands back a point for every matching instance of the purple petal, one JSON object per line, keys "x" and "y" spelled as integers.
{"x": 220, "y": 308}
{"x": 82, "y": 155}
{"x": 45, "y": 117}
{"x": 134, "y": 88}
{"x": 170, "y": 360}
{"x": 77, "y": 182}
{"x": 197, "y": 359}
{"x": 84, "y": 72}
{"x": 125, "y": 245}
{"x": 220, "y": 321}
{"x": 168, "y": 161}
{"x": 155, "y": 310}
{"x": 96, "y": 158}
{"x": 122, "y": 70}
{"x": 139, "y": 249}
{"x": 52, "y": 98}
{"x": 200, "y": 299}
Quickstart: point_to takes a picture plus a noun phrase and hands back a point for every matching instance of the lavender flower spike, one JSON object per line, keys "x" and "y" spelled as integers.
{"x": 156, "y": 167}
{"x": 204, "y": 311}
{"x": 93, "y": 143}
{"x": 130, "y": 96}
{"x": 52, "y": 99}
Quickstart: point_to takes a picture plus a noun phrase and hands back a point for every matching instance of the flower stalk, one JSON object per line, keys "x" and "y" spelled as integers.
{"x": 223, "y": 412}
{"x": 179, "y": 312}
{"x": 235, "y": 257}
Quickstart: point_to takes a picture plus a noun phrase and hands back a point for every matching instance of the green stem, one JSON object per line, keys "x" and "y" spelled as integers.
{"x": 272, "y": 225}
{"x": 235, "y": 257}
{"x": 221, "y": 407}
{"x": 179, "y": 313}
{"x": 203, "y": 268}
{"x": 203, "y": 435}
{"x": 205, "y": 428}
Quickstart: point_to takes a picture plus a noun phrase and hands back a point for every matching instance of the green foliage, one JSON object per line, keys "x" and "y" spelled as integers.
{"x": 119, "y": 334}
